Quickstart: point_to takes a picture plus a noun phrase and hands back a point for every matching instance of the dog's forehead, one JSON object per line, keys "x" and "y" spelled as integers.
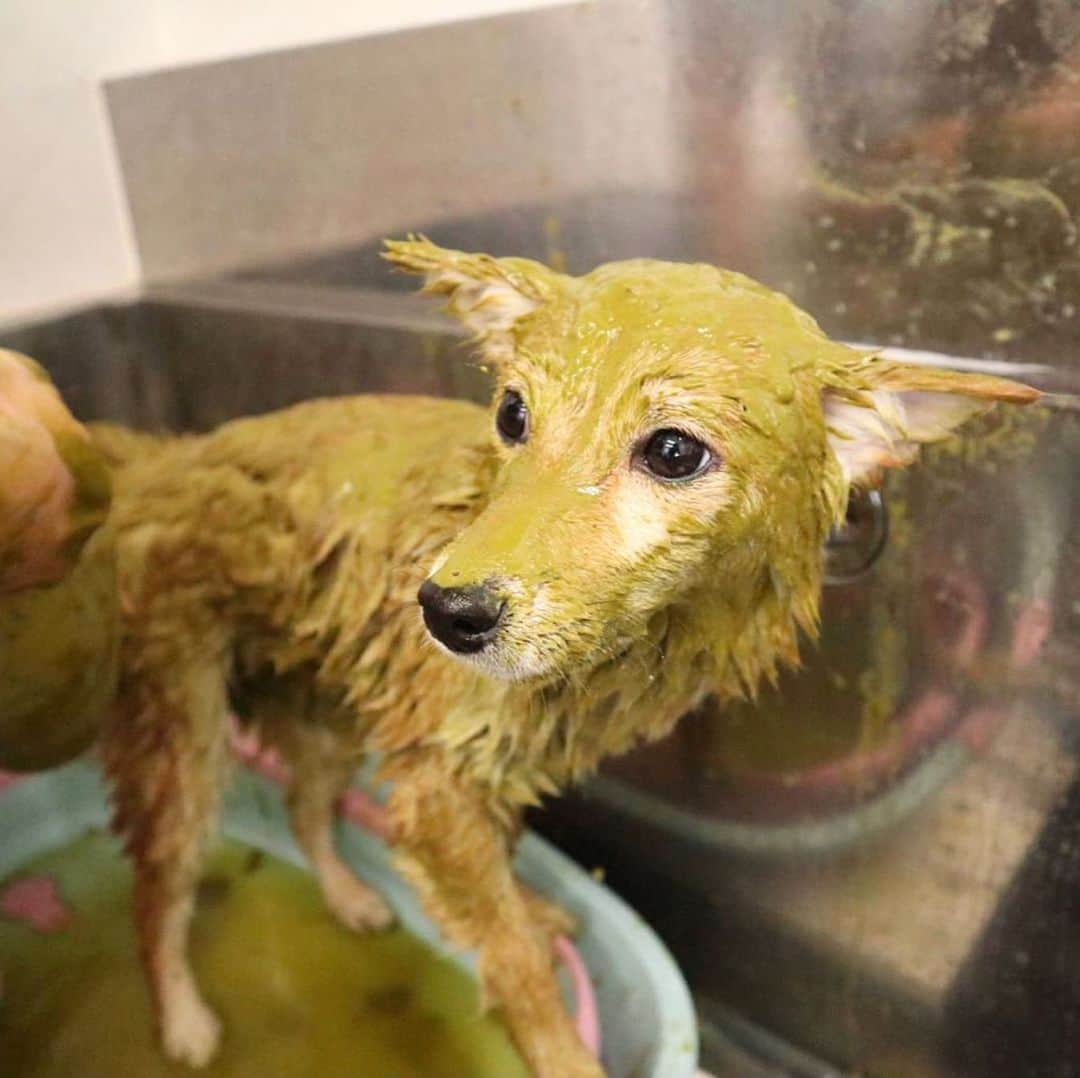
{"x": 663, "y": 321}
{"x": 668, "y": 297}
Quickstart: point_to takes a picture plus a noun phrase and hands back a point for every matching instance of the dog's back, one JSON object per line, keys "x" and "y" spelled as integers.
{"x": 293, "y": 539}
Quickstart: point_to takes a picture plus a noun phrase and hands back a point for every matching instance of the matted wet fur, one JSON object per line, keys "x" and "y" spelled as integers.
{"x": 592, "y": 587}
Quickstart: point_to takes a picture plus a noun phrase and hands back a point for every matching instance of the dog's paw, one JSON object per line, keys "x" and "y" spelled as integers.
{"x": 550, "y": 918}
{"x": 191, "y": 1033}
{"x": 572, "y": 1060}
{"x": 354, "y": 904}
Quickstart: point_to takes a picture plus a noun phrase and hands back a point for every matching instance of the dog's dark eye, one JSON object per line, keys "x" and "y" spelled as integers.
{"x": 512, "y": 418}
{"x": 671, "y": 454}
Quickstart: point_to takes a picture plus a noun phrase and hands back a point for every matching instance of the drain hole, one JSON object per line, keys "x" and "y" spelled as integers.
{"x": 852, "y": 547}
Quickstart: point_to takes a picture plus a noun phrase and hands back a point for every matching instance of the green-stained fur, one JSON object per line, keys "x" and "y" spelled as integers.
{"x": 283, "y": 555}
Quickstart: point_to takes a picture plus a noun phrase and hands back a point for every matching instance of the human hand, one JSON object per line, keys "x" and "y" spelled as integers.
{"x": 54, "y": 487}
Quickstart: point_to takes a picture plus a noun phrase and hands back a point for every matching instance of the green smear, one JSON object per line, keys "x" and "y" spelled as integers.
{"x": 59, "y": 655}
{"x": 299, "y": 994}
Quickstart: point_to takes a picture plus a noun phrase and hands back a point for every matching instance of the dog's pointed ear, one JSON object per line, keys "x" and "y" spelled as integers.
{"x": 880, "y": 417}
{"x": 488, "y": 294}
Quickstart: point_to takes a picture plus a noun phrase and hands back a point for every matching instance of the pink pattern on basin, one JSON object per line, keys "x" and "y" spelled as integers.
{"x": 37, "y": 901}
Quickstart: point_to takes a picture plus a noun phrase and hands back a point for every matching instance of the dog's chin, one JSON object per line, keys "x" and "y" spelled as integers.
{"x": 502, "y": 663}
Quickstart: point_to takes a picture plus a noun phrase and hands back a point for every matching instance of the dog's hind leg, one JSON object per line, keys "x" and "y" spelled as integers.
{"x": 167, "y": 754}
{"x": 321, "y": 769}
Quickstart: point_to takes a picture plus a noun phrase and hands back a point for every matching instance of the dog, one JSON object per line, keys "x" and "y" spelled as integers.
{"x": 491, "y": 600}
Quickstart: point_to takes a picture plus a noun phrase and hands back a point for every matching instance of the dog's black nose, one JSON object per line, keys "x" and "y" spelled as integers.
{"x": 464, "y": 619}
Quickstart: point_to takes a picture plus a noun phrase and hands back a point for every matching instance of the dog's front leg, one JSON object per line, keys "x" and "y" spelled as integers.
{"x": 321, "y": 770}
{"x": 456, "y": 852}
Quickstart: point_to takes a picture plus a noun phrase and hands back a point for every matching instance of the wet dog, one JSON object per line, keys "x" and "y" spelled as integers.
{"x": 492, "y": 600}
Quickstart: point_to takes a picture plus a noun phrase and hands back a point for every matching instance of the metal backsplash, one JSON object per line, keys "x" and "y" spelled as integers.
{"x": 906, "y": 169}
{"x": 230, "y": 164}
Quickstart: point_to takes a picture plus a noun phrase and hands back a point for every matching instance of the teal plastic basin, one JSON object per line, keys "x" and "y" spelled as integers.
{"x": 647, "y": 1020}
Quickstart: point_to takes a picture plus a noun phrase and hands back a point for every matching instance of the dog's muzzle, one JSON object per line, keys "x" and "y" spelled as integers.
{"x": 465, "y": 620}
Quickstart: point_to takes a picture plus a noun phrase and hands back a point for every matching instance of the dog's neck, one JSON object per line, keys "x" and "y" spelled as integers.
{"x": 526, "y": 739}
